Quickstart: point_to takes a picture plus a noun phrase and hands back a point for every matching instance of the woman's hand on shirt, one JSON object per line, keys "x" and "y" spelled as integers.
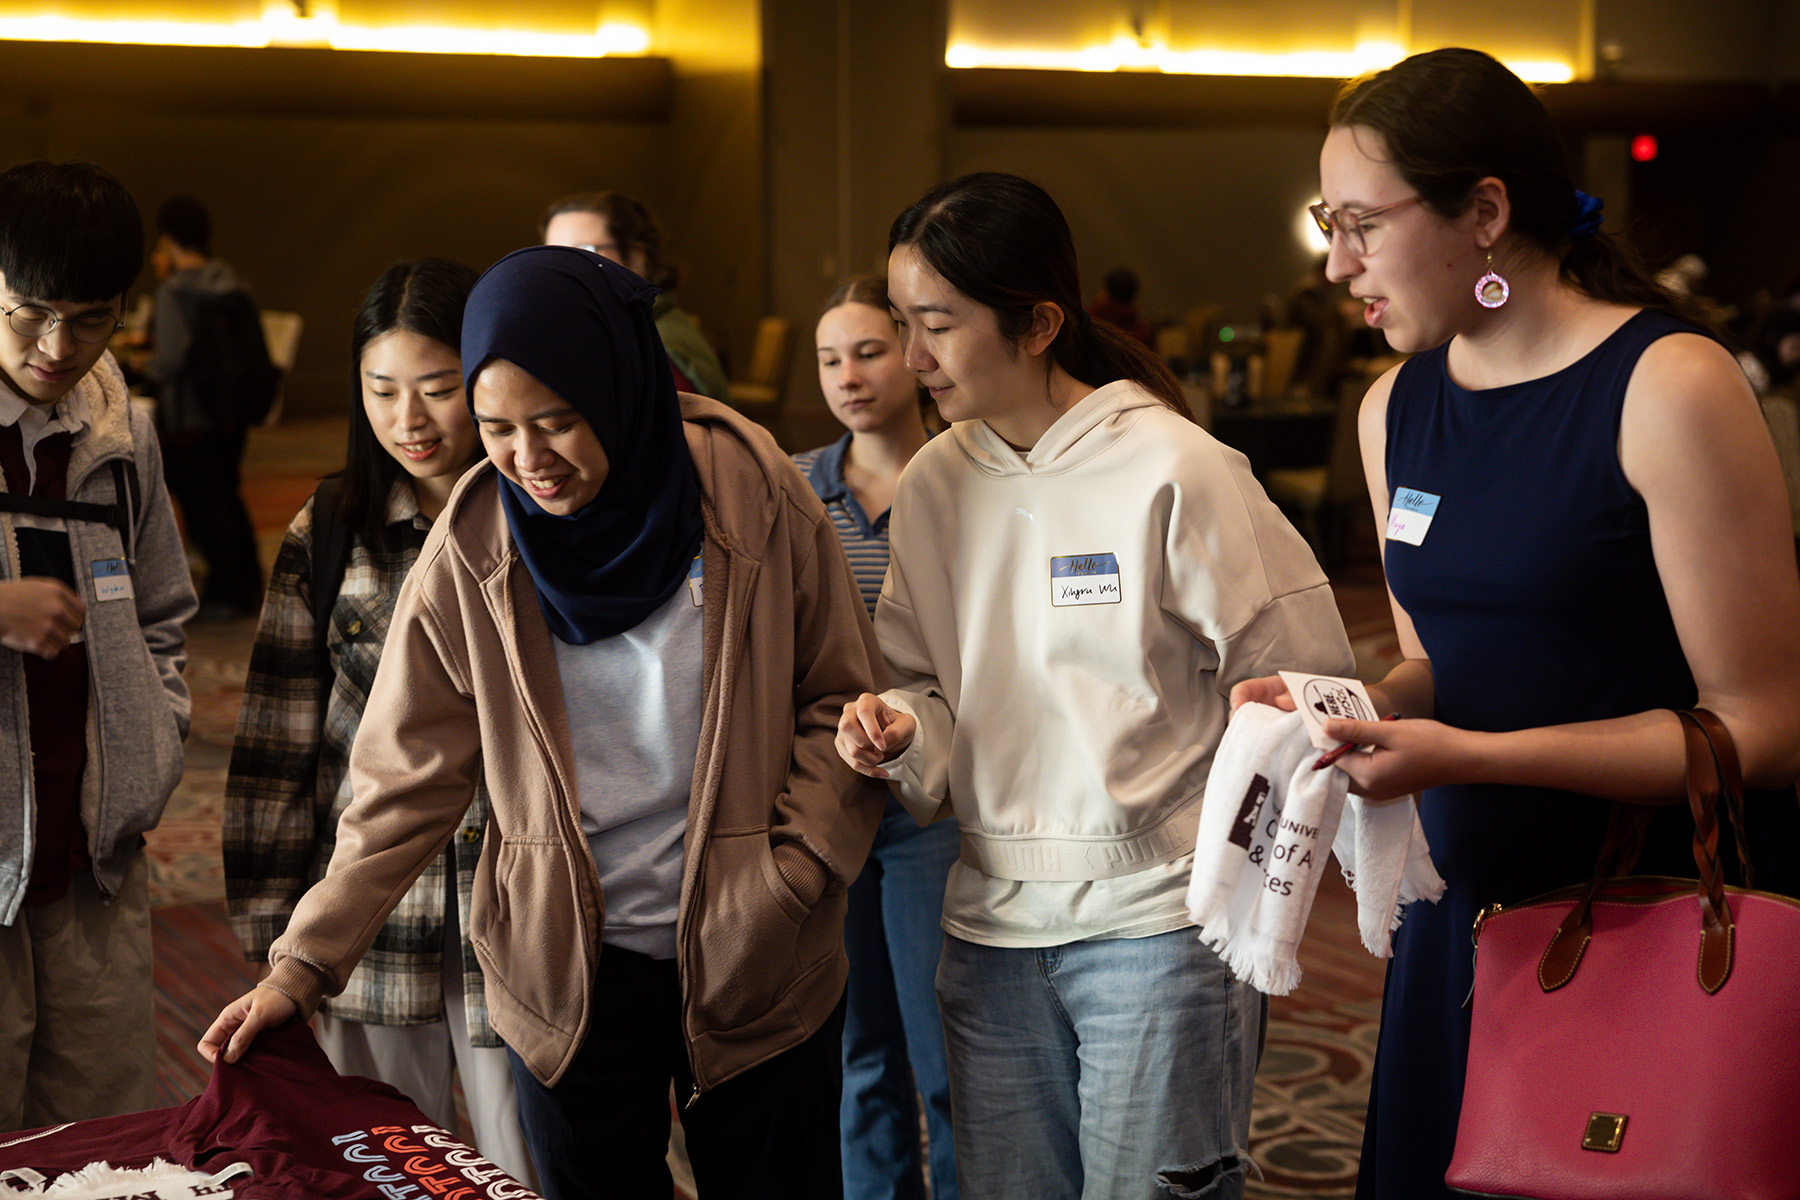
{"x": 871, "y": 732}
{"x": 239, "y": 1022}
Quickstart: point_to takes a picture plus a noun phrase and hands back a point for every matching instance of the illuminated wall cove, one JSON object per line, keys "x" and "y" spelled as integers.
{"x": 1543, "y": 40}
{"x": 561, "y": 30}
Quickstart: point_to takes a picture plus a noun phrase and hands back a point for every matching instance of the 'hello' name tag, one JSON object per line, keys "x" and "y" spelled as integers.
{"x": 112, "y": 579}
{"x": 1084, "y": 579}
{"x": 696, "y": 581}
{"x": 1411, "y": 515}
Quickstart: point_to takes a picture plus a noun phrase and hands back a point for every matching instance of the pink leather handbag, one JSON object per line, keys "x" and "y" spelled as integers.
{"x": 1639, "y": 1038}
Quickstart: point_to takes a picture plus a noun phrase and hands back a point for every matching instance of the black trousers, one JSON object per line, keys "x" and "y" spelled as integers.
{"x": 603, "y": 1129}
{"x": 202, "y": 470}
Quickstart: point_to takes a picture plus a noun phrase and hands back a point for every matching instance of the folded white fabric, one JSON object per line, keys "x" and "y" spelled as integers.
{"x": 1266, "y": 824}
{"x": 158, "y": 1180}
{"x": 1381, "y": 847}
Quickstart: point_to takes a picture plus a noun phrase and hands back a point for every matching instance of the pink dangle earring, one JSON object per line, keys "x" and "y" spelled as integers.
{"x": 1491, "y": 290}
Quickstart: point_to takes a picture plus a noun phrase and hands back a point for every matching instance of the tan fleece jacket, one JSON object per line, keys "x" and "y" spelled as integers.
{"x": 777, "y": 824}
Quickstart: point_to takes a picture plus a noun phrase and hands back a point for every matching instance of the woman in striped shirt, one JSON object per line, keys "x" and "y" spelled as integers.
{"x": 892, "y": 1033}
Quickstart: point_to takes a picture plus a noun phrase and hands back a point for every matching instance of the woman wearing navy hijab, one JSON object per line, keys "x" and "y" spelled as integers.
{"x": 634, "y": 618}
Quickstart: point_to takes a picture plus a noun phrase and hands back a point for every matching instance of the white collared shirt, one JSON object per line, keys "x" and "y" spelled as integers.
{"x": 36, "y": 422}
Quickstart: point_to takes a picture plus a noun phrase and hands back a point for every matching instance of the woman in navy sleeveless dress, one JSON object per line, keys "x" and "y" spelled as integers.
{"x": 1584, "y": 528}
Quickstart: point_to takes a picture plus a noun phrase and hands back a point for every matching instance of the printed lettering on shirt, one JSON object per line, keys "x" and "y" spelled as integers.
{"x": 406, "y": 1167}
{"x": 696, "y": 580}
{"x": 1084, "y": 579}
{"x": 1410, "y": 515}
{"x": 112, "y": 579}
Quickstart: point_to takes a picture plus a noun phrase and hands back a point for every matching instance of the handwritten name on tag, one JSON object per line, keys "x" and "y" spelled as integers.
{"x": 1410, "y": 516}
{"x": 112, "y": 579}
{"x": 1084, "y": 579}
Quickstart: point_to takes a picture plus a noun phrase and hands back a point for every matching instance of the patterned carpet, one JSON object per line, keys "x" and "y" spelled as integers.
{"x": 1310, "y": 1092}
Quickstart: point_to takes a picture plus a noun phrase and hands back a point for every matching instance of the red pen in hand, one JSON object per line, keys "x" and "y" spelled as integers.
{"x": 1337, "y": 752}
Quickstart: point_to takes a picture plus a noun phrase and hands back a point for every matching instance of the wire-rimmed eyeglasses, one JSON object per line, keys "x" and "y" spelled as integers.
{"x": 35, "y": 321}
{"x": 1351, "y": 223}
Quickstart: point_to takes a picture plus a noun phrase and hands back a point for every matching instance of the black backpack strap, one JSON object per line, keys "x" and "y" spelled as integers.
{"x": 330, "y": 557}
{"x": 121, "y": 514}
{"x": 115, "y": 515}
{"x": 127, "y": 495}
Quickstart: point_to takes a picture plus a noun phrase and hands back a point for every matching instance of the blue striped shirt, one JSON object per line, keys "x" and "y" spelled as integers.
{"x": 865, "y": 541}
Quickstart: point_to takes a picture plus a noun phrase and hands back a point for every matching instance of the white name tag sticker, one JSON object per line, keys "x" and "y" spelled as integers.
{"x": 112, "y": 579}
{"x": 1321, "y": 698}
{"x": 1084, "y": 579}
{"x": 1410, "y": 516}
{"x": 696, "y": 581}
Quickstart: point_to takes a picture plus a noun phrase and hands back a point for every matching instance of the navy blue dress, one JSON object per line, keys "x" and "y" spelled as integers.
{"x": 1537, "y": 600}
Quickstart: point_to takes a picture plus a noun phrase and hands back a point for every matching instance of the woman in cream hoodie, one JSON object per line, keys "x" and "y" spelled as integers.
{"x": 1079, "y": 575}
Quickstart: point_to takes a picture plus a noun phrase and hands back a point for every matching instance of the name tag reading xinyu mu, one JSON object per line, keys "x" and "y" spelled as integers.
{"x": 1411, "y": 515}
{"x": 1084, "y": 579}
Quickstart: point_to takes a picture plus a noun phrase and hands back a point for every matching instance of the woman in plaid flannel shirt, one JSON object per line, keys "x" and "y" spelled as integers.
{"x": 414, "y": 1013}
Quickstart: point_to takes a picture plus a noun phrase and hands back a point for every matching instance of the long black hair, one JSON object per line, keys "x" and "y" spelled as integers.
{"x": 424, "y": 297}
{"x": 1002, "y": 241}
{"x": 1451, "y": 118}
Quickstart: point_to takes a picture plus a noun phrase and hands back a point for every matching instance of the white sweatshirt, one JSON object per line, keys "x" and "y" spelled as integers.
{"x": 1066, "y": 626}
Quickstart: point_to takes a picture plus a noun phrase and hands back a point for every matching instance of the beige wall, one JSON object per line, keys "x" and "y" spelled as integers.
{"x": 855, "y": 133}
{"x": 708, "y": 164}
{"x": 787, "y": 135}
{"x": 311, "y": 204}
{"x": 1205, "y": 216}
{"x": 311, "y": 211}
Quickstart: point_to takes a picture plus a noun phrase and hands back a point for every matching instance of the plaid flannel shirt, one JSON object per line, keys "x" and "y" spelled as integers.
{"x": 288, "y": 782}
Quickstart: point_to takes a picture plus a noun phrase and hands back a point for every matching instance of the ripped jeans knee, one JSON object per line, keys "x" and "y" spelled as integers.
{"x": 1221, "y": 1179}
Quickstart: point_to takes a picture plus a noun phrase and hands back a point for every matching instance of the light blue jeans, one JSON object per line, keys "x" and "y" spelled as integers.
{"x": 1100, "y": 1070}
{"x": 892, "y": 1034}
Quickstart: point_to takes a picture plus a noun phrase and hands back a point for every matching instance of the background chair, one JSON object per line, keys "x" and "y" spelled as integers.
{"x": 759, "y": 393}
{"x": 281, "y": 331}
{"x": 1281, "y": 350}
{"x": 1321, "y": 500}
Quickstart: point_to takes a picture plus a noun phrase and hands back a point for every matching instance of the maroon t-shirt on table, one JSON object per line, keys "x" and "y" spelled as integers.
{"x": 304, "y": 1131}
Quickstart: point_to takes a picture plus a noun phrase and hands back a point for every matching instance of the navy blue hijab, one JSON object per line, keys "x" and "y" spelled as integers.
{"x": 581, "y": 325}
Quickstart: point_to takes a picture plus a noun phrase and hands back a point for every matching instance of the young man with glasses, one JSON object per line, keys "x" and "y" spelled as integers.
{"x": 94, "y": 589}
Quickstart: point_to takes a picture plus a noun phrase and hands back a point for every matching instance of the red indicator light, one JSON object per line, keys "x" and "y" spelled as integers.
{"x": 1643, "y": 148}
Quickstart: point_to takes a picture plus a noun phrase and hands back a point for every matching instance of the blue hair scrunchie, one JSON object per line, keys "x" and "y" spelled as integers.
{"x": 1586, "y": 220}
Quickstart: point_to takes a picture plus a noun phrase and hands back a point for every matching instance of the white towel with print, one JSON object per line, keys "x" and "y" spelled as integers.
{"x": 1369, "y": 847}
{"x": 158, "y": 1180}
{"x": 1266, "y": 825}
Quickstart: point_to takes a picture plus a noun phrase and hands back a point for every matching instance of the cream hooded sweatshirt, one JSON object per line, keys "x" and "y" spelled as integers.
{"x": 1066, "y": 624}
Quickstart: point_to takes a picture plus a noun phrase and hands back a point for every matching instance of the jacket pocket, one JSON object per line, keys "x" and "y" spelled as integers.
{"x": 750, "y": 942}
{"x": 526, "y": 913}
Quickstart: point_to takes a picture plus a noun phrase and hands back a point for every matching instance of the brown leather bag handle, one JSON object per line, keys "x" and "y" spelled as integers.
{"x": 1712, "y": 772}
